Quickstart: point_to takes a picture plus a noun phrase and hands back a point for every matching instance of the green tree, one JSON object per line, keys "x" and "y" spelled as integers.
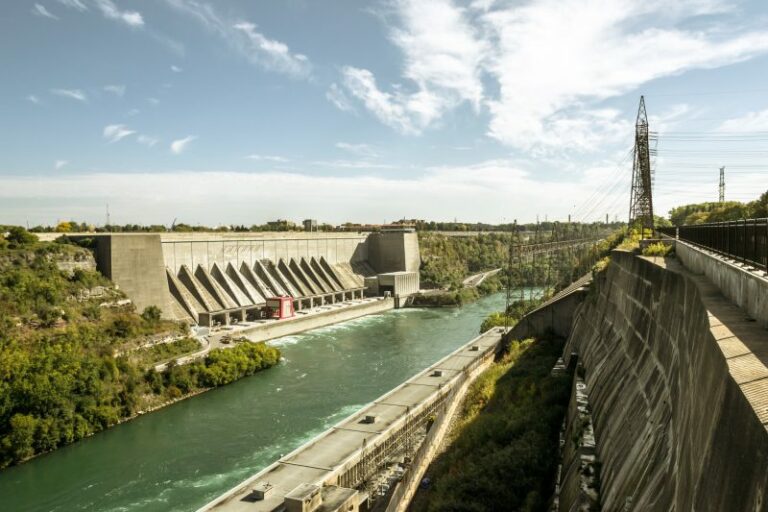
{"x": 19, "y": 442}
{"x": 19, "y": 237}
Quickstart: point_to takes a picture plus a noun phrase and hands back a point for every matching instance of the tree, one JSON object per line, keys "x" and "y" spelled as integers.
{"x": 22, "y": 436}
{"x": 19, "y": 237}
{"x": 64, "y": 227}
{"x": 760, "y": 207}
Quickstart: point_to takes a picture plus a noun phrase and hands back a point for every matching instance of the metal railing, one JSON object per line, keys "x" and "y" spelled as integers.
{"x": 743, "y": 240}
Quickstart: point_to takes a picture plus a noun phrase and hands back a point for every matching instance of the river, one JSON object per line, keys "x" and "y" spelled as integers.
{"x": 181, "y": 457}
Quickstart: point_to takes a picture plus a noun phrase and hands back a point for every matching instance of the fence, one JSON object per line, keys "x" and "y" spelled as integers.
{"x": 743, "y": 240}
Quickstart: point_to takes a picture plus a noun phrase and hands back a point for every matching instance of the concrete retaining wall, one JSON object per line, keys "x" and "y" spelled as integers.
{"x": 135, "y": 264}
{"x": 301, "y": 323}
{"x": 394, "y": 252}
{"x": 554, "y": 316}
{"x": 746, "y": 288}
{"x": 674, "y": 430}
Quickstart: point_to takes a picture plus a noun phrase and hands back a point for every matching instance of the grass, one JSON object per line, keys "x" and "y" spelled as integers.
{"x": 505, "y": 444}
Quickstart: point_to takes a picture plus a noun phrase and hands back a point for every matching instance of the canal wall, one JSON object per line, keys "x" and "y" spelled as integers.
{"x": 351, "y": 452}
{"x": 677, "y": 385}
{"x": 553, "y": 316}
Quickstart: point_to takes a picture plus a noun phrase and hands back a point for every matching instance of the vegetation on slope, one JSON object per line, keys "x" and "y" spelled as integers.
{"x": 503, "y": 454}
{"x": 517, "y": 310}
{"x": 61, "y": 331}
{"x": 700, "y": 213}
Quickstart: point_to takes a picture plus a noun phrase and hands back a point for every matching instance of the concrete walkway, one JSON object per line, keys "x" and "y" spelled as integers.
{"x": 743, "y": 342}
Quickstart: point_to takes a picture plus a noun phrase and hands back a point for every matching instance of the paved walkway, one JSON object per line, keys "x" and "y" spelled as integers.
{"x": 743, "y": 342}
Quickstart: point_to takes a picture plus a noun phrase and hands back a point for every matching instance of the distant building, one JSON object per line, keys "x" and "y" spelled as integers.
{"x": 281, "y": 225}
{"x": 310, "y": 224}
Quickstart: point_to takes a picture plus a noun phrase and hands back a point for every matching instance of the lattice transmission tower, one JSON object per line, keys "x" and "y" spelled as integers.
{"x": 641, "y": 198}
{"x": 722, "y": 185}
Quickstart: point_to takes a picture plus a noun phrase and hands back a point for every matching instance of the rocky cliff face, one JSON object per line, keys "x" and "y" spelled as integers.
{"x": 674, "y": 429}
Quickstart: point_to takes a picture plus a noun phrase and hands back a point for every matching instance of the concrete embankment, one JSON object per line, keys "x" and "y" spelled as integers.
{"x": 677, "y": 385}
{"x": 350, "y": 455}
{"x": 307, "y": 320}
{"x": 318, "y": 317}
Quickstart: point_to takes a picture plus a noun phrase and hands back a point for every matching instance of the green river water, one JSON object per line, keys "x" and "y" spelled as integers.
{"x": 181, "y": 457}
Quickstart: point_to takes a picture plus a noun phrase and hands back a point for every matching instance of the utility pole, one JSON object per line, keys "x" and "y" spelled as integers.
{"x": 107, "y": 225}
{"x": 641, "y": 199}
{"x": 722, "y": 184}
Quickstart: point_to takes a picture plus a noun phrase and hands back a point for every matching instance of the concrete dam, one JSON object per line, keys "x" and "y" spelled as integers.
{"x": 221, "y": 278}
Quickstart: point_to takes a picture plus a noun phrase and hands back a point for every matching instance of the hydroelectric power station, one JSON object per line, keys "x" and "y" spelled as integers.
{"x": 222, "y": 278}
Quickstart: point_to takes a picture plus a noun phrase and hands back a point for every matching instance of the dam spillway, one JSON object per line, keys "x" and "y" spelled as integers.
{"x": 219, "y": 278}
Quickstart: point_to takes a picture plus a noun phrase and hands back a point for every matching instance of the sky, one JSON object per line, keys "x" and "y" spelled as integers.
{"x": 239, "y": 112}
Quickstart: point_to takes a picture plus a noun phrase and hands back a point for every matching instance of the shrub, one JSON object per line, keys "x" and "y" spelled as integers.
{"x": 658, "y": 249}
{"x": 151, "y": 314}
{"x": 124, "y": 326}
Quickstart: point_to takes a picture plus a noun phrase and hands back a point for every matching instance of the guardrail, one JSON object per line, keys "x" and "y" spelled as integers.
{"x": 743, "y": 240}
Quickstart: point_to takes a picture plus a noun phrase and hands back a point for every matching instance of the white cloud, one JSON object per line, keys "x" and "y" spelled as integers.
{"x": 365, "y": 150}
{"x": 34, "y": 99}
{"x": 178, "y": 146}
{"x": 439, "y": 193}
{"x": 442, "y": 56}
{"x": 111, "y": 11}
{"x": 176, "y": 69}
{"x": 390, "y": 109}
{"x": 548, "y": 64}
{"x": 273, "y": 54}
{"x": 116, "y": 132}
{"x": 117, "y": 90}
{"x": 749, "y": 122}
{"x": 267, "y": 53}
{"x": 338, "y": 97}
{"x": 153, "y": 101}
{"x": 134, "y": 112}
{"x": 74, "y": 4}
{"x": 270, "y": 158}
{"x": 543, "y": 75}
{"x": 147, "y": 140}
{"x": 353, "y": 164}
{"x": 75, "y": 94}
{"x": 40, "y": 10}
{"x": 58, "y": 164}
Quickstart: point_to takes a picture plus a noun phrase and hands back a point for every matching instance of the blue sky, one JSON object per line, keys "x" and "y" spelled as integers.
{"x": 242, "y": 111}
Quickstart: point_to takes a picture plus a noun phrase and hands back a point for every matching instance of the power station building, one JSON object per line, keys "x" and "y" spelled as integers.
{"x": 218, "y": 278}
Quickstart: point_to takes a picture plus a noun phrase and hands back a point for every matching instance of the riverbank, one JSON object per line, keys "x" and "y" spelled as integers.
{"x": 181, "y": 457}
{"x": 460, "y": 296}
